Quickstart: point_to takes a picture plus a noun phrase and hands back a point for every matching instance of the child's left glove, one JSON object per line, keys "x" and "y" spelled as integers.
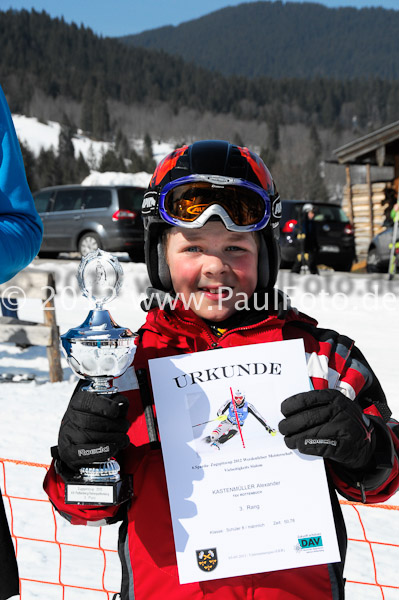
{"x": 94, "y": 428}
{"x": 326, "y": 423}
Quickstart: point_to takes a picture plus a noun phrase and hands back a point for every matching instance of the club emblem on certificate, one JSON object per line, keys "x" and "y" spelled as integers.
{"x": 207, "y": 559}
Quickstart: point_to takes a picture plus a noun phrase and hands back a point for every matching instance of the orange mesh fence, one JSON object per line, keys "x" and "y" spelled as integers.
{"x": 68, "y": 562}
{"x": 55, "y": 564}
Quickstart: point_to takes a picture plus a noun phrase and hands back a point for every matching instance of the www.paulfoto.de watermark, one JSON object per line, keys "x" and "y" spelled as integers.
{"x": 306, "y": 293}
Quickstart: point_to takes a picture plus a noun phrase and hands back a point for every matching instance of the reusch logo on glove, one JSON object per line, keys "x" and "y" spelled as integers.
{"x": 321, "y": 441}
{"x": 100, "y": 450}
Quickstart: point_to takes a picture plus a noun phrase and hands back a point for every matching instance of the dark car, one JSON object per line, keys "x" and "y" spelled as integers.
{"x": 379, "y": 251}
{"x": 84, "y": 218}
{"x": 334, "y": 234}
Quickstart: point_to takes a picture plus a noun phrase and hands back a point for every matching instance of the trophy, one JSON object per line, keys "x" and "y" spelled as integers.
{"x": 99, "y": 351}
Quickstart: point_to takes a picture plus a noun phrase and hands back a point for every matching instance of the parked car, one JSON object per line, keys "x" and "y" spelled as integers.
{"x": 379, "y": 251}
{"x": 84, "y": 218}
{"x": 335, "y": 237}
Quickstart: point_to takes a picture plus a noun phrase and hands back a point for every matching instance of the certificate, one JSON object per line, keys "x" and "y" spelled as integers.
{"x": 241, "y": 501}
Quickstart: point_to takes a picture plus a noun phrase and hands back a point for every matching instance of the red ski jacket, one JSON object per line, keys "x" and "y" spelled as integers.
{"x": 146, "y": 545}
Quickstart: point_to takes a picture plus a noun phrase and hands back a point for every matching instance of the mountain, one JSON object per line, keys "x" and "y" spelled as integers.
{"x": 56, "y": 71}
{"x": 288, "y": 40}
{"x": 48, "y": 68}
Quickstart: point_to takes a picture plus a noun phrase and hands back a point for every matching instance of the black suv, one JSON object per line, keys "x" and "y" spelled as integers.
{"x": 334, "y": 232}
{"x": 84, "y": 218}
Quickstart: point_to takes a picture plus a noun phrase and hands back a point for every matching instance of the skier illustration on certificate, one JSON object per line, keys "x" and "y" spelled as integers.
{"x": 232, "y": 416}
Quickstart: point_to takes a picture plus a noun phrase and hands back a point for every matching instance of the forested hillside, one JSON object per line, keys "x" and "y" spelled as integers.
{"x": 56, "y": 71}
{"x": 273, "y": 39}
{"x": 37, "y": 52}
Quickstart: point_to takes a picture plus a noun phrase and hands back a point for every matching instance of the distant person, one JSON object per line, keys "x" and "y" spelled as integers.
{"x": 308, "y": 246}
{"x": 21, "y": 233}
{"x": 395, "y": 212}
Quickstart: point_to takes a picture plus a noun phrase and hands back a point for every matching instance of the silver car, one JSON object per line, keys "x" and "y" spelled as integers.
{"x": 84, "y": 218}
{"x": 379, "y": 251}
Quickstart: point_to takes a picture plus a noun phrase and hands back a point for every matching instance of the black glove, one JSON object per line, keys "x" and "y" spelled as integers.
{"x": 327, "y": 423}
{"x": 93, "y": 428}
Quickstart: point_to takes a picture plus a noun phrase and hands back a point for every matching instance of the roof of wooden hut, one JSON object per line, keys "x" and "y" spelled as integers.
{"x": 376, "y": 148}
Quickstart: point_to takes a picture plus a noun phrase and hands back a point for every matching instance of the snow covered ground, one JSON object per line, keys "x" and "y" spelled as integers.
{"x": 361, "y": 306}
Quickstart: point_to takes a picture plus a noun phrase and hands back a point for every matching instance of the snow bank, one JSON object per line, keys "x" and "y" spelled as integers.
{"x": 37, "y": 135}
{"x": 141, "y": 179}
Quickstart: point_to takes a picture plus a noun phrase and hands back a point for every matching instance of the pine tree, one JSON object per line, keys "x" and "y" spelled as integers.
{"x": 121, "y": 144}
{"x": 66, "y": 154}
{"x": 315, "y": 141}
{"x": 86, "y": 117}
{"x": 30, "y": 166}
{"x": 81, "y": 169}
{"x": 48, "y": 169}
{"x": 136, "y": 162}
{"x": 148, "y": 157}
{"x": 101, "y": 124}
{"x": 273, "y": 135}
{"x": 111, "y": 161}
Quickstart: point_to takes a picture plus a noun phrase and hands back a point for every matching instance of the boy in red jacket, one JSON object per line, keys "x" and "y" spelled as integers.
{"x": 211, "y": 217}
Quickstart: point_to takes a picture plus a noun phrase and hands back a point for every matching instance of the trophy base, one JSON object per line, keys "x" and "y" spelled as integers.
{"x": 104, "y": 493}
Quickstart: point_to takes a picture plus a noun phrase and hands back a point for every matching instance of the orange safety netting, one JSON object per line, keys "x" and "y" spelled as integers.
{"x": 107, "y": 552}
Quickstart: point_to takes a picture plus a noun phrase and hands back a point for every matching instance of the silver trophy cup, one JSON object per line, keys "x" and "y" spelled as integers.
{"x": 100, "y": 351}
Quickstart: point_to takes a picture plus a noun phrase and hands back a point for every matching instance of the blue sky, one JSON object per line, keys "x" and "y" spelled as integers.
{"x": 121, "y": 17}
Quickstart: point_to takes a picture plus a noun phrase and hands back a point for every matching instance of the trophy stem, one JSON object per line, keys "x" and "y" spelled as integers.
{"x": 100, "y": 385}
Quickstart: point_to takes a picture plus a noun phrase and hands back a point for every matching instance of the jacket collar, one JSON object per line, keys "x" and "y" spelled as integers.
{"x": 174, "y": 319}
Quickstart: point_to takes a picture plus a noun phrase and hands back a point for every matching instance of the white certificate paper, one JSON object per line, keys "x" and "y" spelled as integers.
{"x": 242, "y": 502}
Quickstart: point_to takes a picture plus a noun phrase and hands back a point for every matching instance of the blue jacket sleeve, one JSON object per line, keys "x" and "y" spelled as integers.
{"x": 21, "y": 229}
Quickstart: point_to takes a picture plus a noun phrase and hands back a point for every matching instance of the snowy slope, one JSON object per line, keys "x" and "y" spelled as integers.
{"x": 37, "y": 135}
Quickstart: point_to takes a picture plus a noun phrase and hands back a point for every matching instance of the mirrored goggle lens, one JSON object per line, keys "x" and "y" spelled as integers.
{"x": 187, "y": 202}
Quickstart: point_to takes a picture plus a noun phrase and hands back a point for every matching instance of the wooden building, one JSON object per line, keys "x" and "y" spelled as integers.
{"x": 368, "y": 205}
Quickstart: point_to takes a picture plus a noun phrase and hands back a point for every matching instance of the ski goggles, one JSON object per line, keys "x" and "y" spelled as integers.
{"x": 190, "y": 201}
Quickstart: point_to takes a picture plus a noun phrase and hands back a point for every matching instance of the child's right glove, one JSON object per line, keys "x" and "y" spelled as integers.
{"x": 93, "y": 429}
{"x": 327, "y": 423}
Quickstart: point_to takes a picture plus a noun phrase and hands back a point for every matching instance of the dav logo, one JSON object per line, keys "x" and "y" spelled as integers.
{"x": 207, "y": 559}
{"x": 310, "y": 543}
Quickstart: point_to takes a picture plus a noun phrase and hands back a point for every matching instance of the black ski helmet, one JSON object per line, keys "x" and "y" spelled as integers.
{"x": 210, "y": 157}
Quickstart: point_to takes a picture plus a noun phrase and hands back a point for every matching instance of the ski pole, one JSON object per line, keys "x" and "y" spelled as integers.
{"x": 220, "y": 418}
{"x": 392, "y": 254}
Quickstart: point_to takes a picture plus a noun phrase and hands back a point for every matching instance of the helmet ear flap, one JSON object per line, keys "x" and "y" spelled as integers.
{"x": 163, "y": 268}
{"x": 155, "y": 259}
{"x": 263, "y": 264}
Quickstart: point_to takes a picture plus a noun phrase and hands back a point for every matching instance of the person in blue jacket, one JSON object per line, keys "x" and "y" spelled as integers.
{"x": 21, "y": 229}
{"x": 21, "y": 233}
